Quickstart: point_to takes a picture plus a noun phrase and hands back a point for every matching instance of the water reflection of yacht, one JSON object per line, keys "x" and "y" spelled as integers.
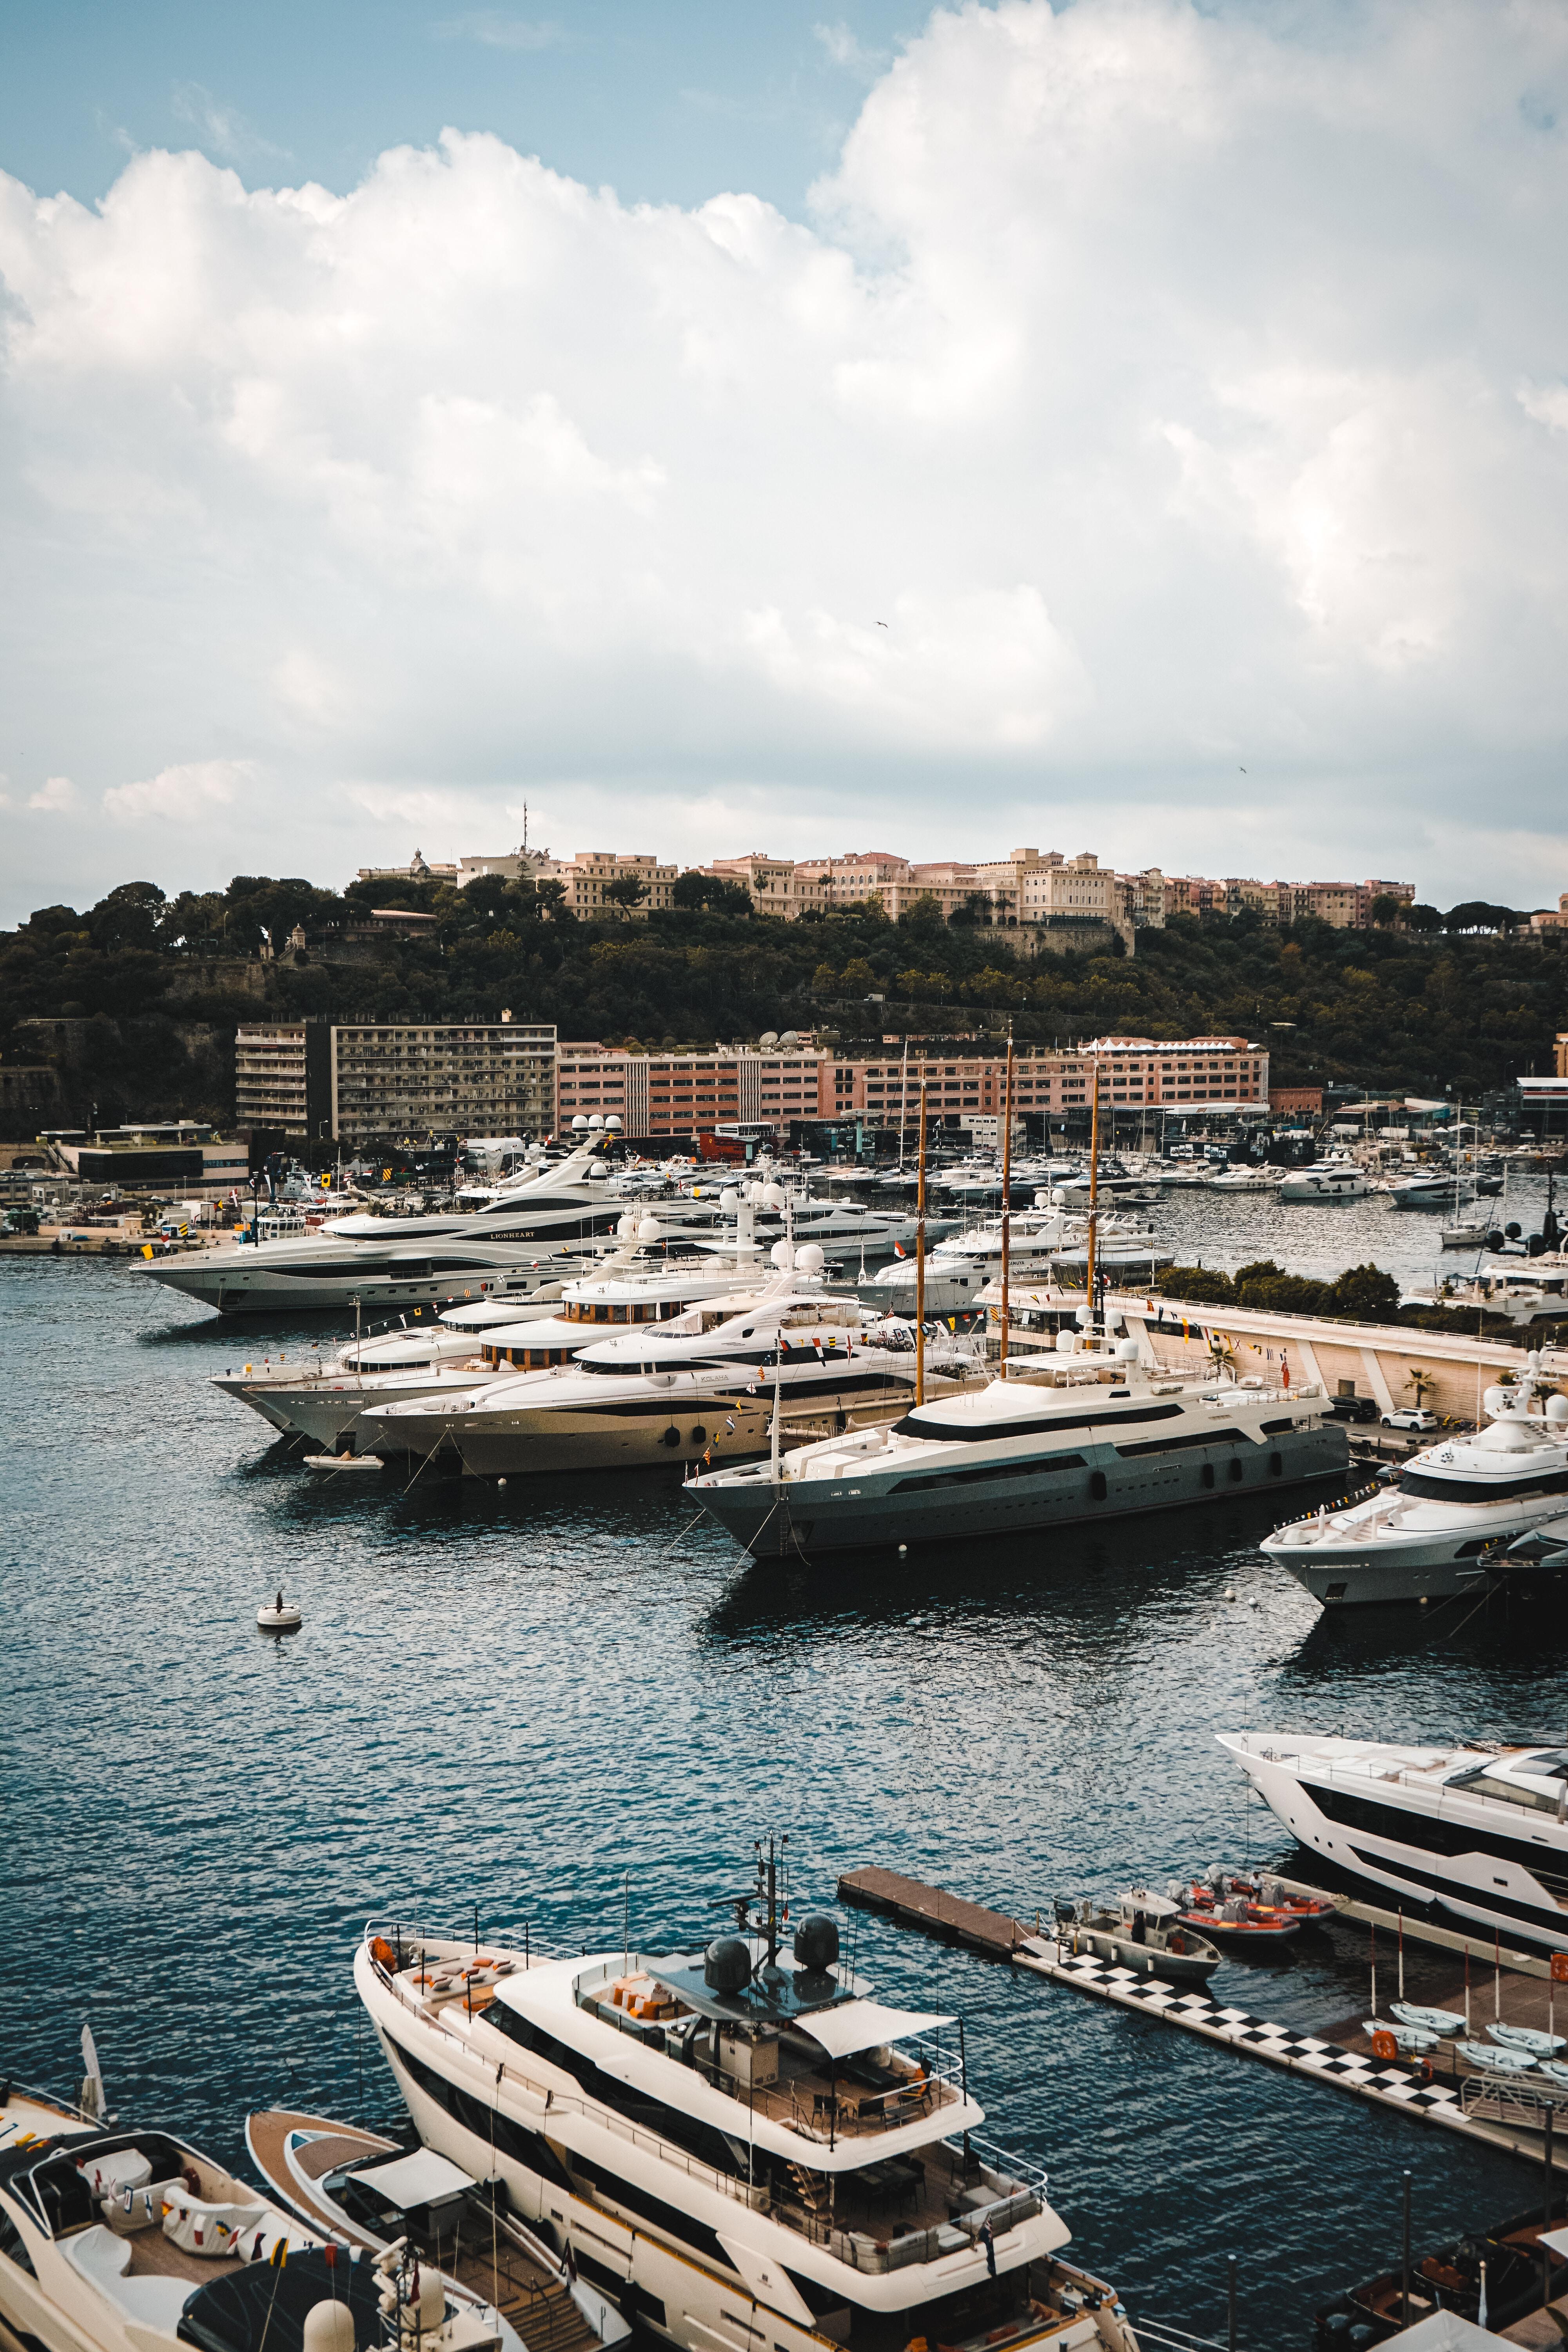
{"x": 1477, "y": 1831}
{"x": 740, "y": 2143}
{"x": 1451, "y": 1507}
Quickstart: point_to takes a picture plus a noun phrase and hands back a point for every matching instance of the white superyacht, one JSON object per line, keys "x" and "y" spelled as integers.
{"x": 1092, "y": 1433}
{"x": 738, "y": 2142}
{"x": 1450, "y": 1508}
{"x": 1477, "y": 1831}
{"x": 718, "y": 1380}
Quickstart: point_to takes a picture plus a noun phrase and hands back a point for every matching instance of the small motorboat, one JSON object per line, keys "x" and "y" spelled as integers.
{"x": 1143, "y": 1932}
{"x": 1492, "y": 2060}
{"x": 1527, "y": 2037}
{"x": 1276, "y": 1896}
{"x": 280, "y": 1616}
{"x": 1427, "y": 2020}
{"x": 342, "y": 1461}
{"x": 1216, "y": 1911}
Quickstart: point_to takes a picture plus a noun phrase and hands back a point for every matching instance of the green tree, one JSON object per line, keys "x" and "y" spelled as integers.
{"x": 857, "y": 978}
{"x": 626, "y": 892}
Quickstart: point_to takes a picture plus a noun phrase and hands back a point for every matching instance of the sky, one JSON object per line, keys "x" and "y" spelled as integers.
{"x": 1127, "y": 427}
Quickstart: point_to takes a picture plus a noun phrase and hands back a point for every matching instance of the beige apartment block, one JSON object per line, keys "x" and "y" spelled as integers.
{"x": 590, "y": 871}
{"x": 489, "y": 1078}
{"x": 1347, "y": 906}
{"x": 777, "y": 884}
{"x": 678, "y": 1094}
{"x": 282, "y": 1076}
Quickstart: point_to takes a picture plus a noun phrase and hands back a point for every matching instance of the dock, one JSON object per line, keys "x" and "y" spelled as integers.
{"x": 1445, "y": 2091}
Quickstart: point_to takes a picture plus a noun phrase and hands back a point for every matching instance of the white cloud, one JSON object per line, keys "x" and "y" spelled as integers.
{"x": 57, "y": 796}
{"x": 496, "y": 30}
{"x": 223, "y": 128}
{"x": 845, "y": 49}
{"x": 186, "y": 793}
{"x": 1185, "y": 393}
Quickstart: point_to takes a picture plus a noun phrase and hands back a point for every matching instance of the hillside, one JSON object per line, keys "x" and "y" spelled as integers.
{"x": 149, "y": 987}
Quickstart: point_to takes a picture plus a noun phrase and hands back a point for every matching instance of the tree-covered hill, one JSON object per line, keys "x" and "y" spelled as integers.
{"x": 152, "y": 985}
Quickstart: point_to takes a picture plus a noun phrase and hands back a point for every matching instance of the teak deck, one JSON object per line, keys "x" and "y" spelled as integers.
{"x": 932, "y": 1909}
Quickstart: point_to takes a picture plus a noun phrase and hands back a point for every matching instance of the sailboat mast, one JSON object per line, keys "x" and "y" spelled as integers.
{"x": 1006, "y": 1195}
{"x": 903, "y": 1103}
{"x": 1093, "y": 1187}
{"x": 920, "y": 1259}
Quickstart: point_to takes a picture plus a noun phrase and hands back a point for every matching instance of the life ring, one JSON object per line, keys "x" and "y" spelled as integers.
{"x": 193, "y": 2179}
{"x": 1384, "y": 2045}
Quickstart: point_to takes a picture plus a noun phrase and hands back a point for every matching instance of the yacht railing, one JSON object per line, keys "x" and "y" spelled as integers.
{"x": 1019, "y": 2187}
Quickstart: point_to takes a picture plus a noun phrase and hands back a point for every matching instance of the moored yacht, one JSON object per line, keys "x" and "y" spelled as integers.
{"x": 1329, "y": 1181}
{"x": 713, "y": 1381}
{"x": 114, "y": 2240}
{"x": 1478, "y": 1831}
{"x": 1091, "y": 1434}
{"x": 1451, "y": 1507}
{"x": 738, "y": 2142}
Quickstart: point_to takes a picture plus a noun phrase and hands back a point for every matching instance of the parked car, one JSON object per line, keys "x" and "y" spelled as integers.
{"x": 1411, "y": 1416}
{"x": 1353, "y": 1408}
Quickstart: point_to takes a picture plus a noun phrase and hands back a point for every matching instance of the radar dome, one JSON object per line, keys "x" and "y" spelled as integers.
{"x": 1557, "y": 1411}
{"x": 727, "y": 1965}
{"x": 1127, "y": 1351}
{"x": 330, "y": 2327}
{"x": 595, "y": 1118}
{"x": 768, "y": 1038}
{"x": 626, "y": 1228}
{"x": 650, "y": 1230}
{"x": 817, "y": 1942}
{"x": 1493, "y": 1402}
{"x": 613, "y": 1121}
{"x": 729, "y": 1199}
{"x": 809, "y": 1257}
{"x": 598, "y": 1168}
{"x": 783, "y": 1255}
{"x": 579, "y": 1125}
{"x": 774, "y": 1195}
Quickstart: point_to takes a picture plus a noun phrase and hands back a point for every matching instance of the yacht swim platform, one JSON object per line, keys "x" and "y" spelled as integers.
{"x": 1505, "y": 2113}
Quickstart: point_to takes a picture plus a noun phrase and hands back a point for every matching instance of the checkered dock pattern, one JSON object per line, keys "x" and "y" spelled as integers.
{"x": 1373, "y": 2078}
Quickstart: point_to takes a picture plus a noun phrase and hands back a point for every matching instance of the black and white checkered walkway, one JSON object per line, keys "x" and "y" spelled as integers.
{"x": 1375, "y": 2078}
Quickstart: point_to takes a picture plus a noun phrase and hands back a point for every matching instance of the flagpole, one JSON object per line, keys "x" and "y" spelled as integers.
{"x": 1007, "y": 1197}
{"x": 920, "y": 1259}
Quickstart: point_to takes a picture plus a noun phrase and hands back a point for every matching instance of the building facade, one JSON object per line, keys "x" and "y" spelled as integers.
{"x": 1346, "y": 906}
{"x": 283, "y": 1077}
{"x": 479, "y": 1077}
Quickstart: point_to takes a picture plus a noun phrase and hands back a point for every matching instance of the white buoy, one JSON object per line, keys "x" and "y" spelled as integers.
{"x": 1252, "y": 1601}
{"x": 1230, "y": 1593}
{"x": 903, "y": 1548}
{"x": 500, "y": 1482}
{"x": 280, "y": 1616}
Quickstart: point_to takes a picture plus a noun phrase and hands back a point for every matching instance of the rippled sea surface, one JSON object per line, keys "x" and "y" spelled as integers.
{"x": 562, "y": 1698}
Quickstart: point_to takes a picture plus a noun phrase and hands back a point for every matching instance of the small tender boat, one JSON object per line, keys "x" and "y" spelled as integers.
{"x": 1411, "y": 2041}
{"x": 1427, "y": 2020}
{"x": 1527, "y": 2037}
{"x": 1143, "y": 1932}
{"x": 280, "y": 1616}
{"x": 1494, "y": 2061}
{"x": 343, "y": 1462}
{"x": 1217, "y": 1912}
{"x": 1274, "y": 1894}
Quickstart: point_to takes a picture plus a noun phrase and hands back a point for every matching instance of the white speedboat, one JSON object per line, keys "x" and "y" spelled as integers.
{"x": 1452, "y": 1507}
{"x": 1327, "y": 1182}
{"x": 117, "y": 2240}
{"x": 373, "y": 2191}
{"x": 711, "y": 1382}
{"x": 1478, "y": 1833}
{"x": 1089, "y": 1435}
{"x": 740, "y": 2143}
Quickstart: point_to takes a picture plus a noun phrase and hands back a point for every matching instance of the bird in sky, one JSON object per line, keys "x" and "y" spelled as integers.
{"x": 1244, "y": 772}
{"x": 881, "y": 625}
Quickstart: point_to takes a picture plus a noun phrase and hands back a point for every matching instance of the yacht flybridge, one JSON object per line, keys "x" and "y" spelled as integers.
{"x": 738, "y": 2143}
{"x": 1090, "y": 1434}
{"x": 1479, "y": 1832}
{"x": 1453, "y": 1506}
{"x": 134, "y": 2241}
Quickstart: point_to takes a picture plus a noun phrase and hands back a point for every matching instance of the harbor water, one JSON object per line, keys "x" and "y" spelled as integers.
{"x": 563, "y": 1703}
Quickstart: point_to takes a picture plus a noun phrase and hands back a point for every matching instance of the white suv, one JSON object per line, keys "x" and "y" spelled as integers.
{"x": 1410, "y": 1416}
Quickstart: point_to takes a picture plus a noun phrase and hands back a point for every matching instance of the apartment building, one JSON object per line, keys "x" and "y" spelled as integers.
{"x": 777, "y": 884}
{"x": 487, "y": 1078}
{"x": 588, "y": 874}
{"x": 677, "y": 1094}
{"x": 1347, "y": 906}
{"x": 283, "y": 1077}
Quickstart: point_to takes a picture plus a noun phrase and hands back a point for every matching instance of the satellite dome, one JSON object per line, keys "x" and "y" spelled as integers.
{"x": 612, "y": 1120}
{"x": 817, "y": 1942}
{"x": 598, "y": 1168}
{"x": 626, "y": 1228}
{"x": 595, "y": 1118}
{"x": 729, "y": 1199}
{"x": 650, "y": 1230}
{"x": 727, "y": 1965}
{"x": 579, "y": 1125}
{"x": 769, "y": 1037}
{"x": 783, "y": 1255}
{"x": 809, "y": 1257}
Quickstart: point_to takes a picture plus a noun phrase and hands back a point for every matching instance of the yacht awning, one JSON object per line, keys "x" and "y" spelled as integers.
{"x": 864, "y": 2025}
{"x": 417, "y": 2180}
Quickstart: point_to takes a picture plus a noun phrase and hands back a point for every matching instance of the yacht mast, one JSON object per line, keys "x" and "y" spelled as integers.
{"x": 1093, "y": 1188}
{"x": 921, "y": 1258}
{"x": 1006, "y": 1192}
{"x": 903, "y": 1102}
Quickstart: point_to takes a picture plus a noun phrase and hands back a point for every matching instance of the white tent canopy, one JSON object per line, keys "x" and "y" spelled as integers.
{"x": 864, "y": 2025}
{"x": 417, "y": 2180}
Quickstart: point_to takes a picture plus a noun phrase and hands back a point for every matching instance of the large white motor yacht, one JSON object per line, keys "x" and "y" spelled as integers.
{"x": 640, "y": 1282}
{"x": 711, "y": 1382}
{"x": 738, "y": 2143}
{"x": 1092, "y": 1433}
{"x": 115, "y": 2241}
{"x": 1477, "y": 1832}
{"x": 391, "y": 1262}
{"x": 1452, "y": 1505}
{"x": 1331, "y": 1180}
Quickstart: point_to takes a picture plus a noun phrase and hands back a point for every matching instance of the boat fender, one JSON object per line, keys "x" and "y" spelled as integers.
{"x": 671, "y": 1437}
{"x": 193, "y": 2179}
{"x": 383, "y": 1956}
{"x": 1096, "y": 1485}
